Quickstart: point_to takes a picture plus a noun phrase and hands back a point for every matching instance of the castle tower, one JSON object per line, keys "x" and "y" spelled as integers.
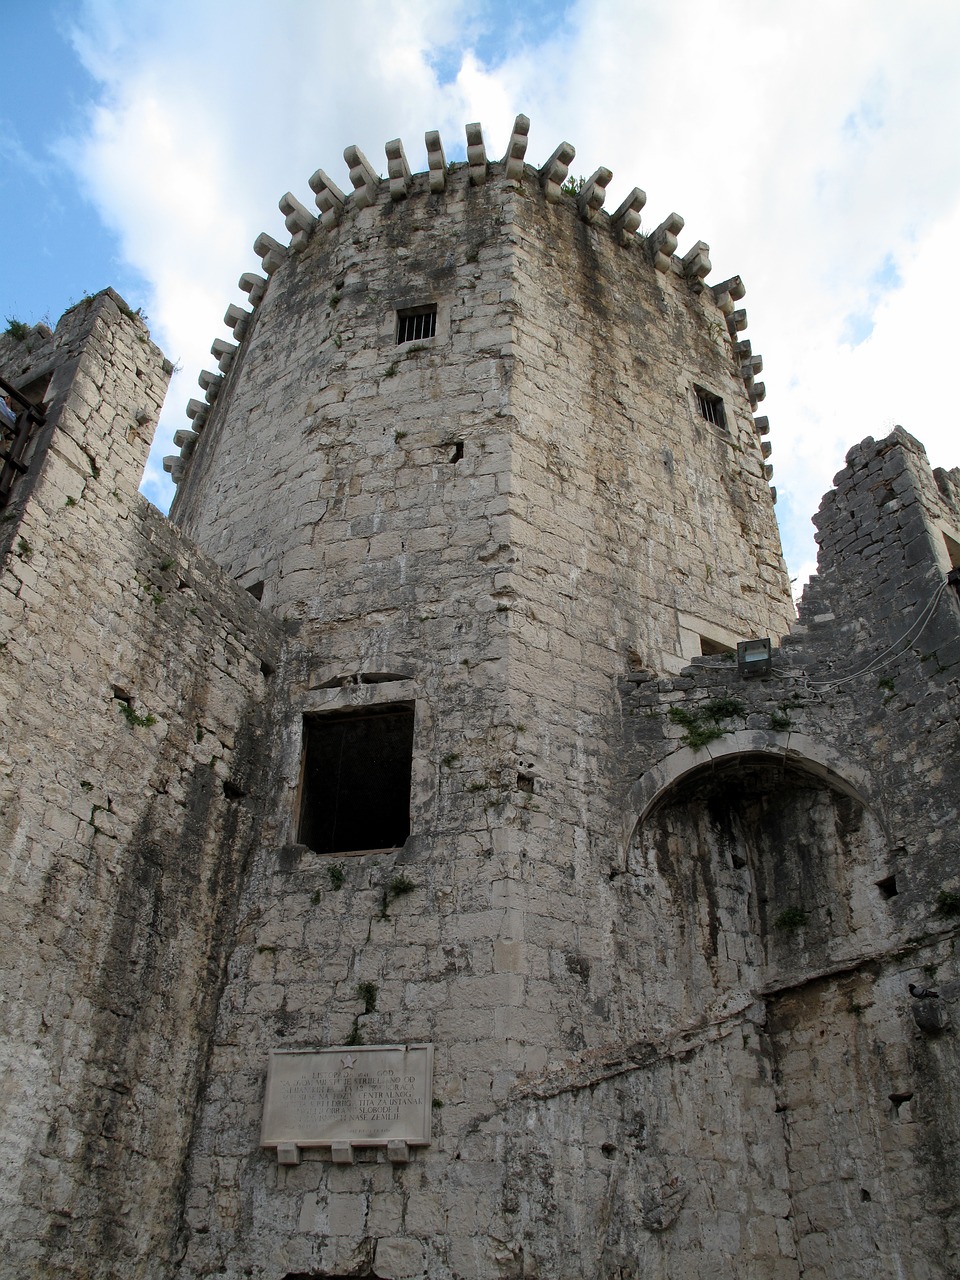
{"x": 488, "y": 450}
{"x": 470, "y": 388}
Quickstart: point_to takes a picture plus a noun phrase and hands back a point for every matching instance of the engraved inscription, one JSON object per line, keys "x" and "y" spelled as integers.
{"x": 366, "y": 1096}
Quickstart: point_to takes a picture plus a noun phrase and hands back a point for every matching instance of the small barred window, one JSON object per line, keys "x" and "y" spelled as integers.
{"x": 710, "y": 406}
{"x": 416, "y": 323}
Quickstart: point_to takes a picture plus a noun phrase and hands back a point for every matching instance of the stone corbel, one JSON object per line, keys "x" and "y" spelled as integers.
{"x": 366, "y": 182}
{"x": 237, "y": 319}
{"x": 197, "y": 411}
{"x": 749, "y": 370}
{"x": 554, "y": 173}
{"x": 185, "y": 439}
{"x": 224, "y": 351}
{"x": 329, "y": 199}
{"x": 398, "y": 171}
{"x": 298, "y": 220}
{"x": 211, "y": 384}
{"x": 436, "y": 161}
{"x": 591, "y": 198}
{"x": 696, "y": 262}
{"x": 517, "y": 149}
{"x": 270, "y": 252}
{"x": 727, "y": 293}
{"x": 253, "y": 285}
{"x": 663, "y": 241}
{"x": 737, "y": 321}
{"x": 476, "y": 155}
{"x": 626, "y": 217}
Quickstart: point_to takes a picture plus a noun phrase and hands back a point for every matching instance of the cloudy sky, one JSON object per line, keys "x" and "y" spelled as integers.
{"x": 814, "y": 147}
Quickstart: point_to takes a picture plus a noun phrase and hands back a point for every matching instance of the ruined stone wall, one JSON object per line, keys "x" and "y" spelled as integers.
{"x": 807, "y": 852}
{"x": 133, "y": 681}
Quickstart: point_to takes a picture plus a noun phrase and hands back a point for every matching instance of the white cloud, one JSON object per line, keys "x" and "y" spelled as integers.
{"x": 809, "y": 145}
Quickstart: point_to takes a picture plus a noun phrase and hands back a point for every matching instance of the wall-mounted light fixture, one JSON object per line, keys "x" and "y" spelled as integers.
{"x": 754, "y": 657}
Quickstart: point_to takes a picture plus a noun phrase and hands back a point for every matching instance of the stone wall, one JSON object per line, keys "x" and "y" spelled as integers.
{"x": 134, "y": 682}
{"x": 823, "y": 811}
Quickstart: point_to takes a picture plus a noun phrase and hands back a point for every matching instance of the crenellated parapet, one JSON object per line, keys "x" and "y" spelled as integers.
{"x": 584, "y": 198}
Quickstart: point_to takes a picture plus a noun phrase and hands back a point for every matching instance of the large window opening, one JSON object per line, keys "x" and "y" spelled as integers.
{"x": 356, "y": 779}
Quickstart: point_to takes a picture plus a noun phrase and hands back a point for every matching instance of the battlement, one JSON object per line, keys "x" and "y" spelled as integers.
{"x": 582, "y": 199}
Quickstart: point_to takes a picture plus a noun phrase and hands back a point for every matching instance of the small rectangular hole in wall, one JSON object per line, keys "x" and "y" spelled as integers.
{"x": 356, "y": 779}
{"x": 36, "y": 391}
{"x": 713, "y": 648}
{"x": 457, "y": 451}
{"x": 417, "y": 323}
{"x": 888, "y": 887}
{"x": 710, "y": 406}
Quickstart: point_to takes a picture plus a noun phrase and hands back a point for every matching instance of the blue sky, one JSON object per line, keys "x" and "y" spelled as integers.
{"x": 814, "y": 147}
{"x": 63, "y": 250}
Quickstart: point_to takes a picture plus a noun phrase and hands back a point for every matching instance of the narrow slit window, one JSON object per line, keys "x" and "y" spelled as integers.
{"x": 416, "y": 324}
{"x": 710, "y": 406}
{"x": 356, "y": 779}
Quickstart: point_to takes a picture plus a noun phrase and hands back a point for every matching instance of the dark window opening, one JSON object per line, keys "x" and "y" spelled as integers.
{"x": 713, "y": 648}
{"x": 710, "y": 406}
{"x": 888, "y": 887}
{"x": 36, "y": 390}
{"x": 356, "y": 779}
{"x": 326, "y": 1275}
{"x": 416, "y": 324}
{"x": 457, "y": 451}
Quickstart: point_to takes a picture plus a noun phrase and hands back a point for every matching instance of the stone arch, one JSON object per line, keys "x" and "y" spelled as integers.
{"x": 758, "y": 858}
{"x": 817, "y": 758}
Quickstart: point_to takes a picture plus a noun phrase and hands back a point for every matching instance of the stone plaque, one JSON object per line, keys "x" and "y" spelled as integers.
{"x": 367, "y": 1096}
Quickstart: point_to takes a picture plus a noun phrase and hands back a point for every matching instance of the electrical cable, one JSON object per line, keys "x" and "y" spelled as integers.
{"x": 885, "y": 656}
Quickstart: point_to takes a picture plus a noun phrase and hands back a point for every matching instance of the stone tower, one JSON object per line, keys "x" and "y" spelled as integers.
{"x": 413, "y": 765}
